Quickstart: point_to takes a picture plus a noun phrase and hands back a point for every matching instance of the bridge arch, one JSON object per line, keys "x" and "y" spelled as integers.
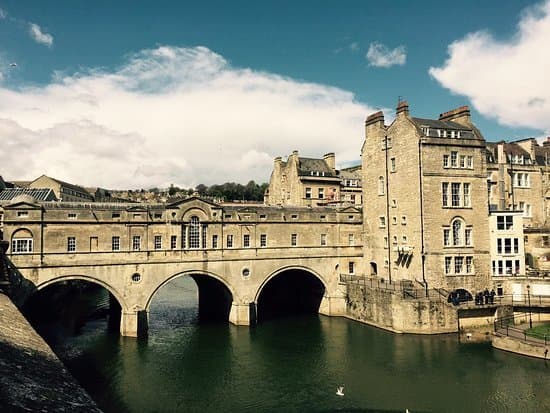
{"x": 285, "y": 269}
{"x": 115, "y": 293}
{"x": 201, "y": 273}
{"x": 290, "y": 290}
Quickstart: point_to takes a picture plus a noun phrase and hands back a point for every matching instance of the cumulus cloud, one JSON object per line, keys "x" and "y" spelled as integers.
{"x": 172, "y": 115}
{"x": 39, "y": 36}
{"x": 380, "y": 55}
{"x": 505, "y": 79}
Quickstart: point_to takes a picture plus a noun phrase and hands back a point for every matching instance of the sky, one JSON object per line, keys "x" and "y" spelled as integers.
{"x": 140, "y": 94}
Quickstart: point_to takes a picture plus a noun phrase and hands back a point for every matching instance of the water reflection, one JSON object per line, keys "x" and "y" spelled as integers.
{"x": 294, "y": 365}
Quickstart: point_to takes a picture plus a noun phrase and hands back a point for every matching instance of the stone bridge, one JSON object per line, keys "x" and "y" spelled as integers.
{"x": 231, "y": 251}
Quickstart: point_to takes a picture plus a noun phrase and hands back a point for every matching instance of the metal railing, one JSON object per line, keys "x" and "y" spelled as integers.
{"x": 408, "y": 289}
{"x": 518, "y": 326}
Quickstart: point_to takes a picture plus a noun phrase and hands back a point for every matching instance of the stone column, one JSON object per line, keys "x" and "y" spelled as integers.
{"x": 242, "y": 314}
{"x": 134, "y": 323}
{"x": 333, "y": 305}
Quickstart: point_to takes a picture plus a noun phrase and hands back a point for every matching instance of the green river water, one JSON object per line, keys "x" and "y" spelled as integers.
{"x": 293, "y": 364}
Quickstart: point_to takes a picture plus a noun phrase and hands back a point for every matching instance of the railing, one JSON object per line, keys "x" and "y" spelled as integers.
{"x": 516, "y": 327}
{"x": 406, "y": 288}
{"x": 526, "y": 299}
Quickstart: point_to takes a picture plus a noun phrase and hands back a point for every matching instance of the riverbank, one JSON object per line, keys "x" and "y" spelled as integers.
{"x": 33, "y": 378}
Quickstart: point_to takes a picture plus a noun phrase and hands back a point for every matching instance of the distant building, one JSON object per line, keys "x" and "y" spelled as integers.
{"x": 63, "y": 191}
{"x": 301, "y": 181}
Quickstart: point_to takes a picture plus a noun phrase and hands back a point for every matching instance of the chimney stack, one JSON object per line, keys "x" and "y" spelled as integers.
{"x": 402, "y": 108}
{"x": 330, "y": 160}
{"x": 459, "y": 115}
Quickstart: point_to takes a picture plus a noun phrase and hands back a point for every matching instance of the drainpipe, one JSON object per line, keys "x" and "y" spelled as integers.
{"x": 422, "y": 253}
{"x": 387, "y": 205}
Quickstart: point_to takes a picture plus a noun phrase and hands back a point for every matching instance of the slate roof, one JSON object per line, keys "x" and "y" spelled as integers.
{"x": 40, "y": 194}
{"x": 440, "y": 124}
{"x": 308, "y": 165}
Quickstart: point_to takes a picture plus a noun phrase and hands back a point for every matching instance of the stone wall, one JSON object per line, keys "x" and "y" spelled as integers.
{"x": 33, "y": 378}
{"x": 388, "y": 310}
{"x": 521, "y": 347}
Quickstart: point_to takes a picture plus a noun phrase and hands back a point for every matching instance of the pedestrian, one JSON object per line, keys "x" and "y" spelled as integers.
{"x": 492, "y": 296}
{"x": 486, "y": 296}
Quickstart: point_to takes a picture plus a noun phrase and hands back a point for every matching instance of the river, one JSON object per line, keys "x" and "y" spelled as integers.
{"x": 293, "y": 364}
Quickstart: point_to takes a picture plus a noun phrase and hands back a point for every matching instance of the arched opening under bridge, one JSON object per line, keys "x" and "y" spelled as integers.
{"x": 189, "y": 298}
{"x": 62, "y": 308}
{"x": 289, "y": 292}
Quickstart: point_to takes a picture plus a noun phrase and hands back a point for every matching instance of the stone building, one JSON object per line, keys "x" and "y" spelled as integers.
{"x": 427, "y": 219}
{"x": 64, "y": 191}
{"x": 301, "y": 181}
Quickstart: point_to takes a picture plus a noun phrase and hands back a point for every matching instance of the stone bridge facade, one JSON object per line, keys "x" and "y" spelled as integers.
{"x": 133, "y": 251}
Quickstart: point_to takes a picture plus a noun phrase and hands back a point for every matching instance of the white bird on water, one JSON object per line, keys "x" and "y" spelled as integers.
{"x": 13, "y": 64}
{"x": 340, "y": 390}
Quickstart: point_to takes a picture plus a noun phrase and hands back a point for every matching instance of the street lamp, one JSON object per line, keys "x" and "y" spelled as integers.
{"x": 529, "y": 304}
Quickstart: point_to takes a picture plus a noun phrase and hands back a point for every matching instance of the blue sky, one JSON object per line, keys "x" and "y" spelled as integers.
{"x": 273, "y": 64}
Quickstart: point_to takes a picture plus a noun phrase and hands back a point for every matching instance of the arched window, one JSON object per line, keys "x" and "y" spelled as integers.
{"x": 458, "y": 234}
{"x": 21, "y": 242}
{"x": 194, "y": 232}
{"x": 381, "y": 185}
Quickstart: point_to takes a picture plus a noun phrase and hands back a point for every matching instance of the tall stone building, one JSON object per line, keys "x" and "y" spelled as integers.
{"x": 301, "y": 181}
{"x": 426, "y": 219}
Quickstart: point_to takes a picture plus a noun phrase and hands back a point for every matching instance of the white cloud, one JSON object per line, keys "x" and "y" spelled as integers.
{"x": 3, "y": 14}
{"x": 506, "y": 80}
{"x": 39, "y": 36}
{"x": 380, "y": 55}
{"x": 172, "y": 115}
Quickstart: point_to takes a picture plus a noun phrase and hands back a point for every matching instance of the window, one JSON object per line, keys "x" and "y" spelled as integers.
{"x": 403, "y": 220}
{"x": 136, "y": 243}
{"x": 448, "y": 262}
{"x": 115, "y": 215}
{"x": 351, "y": 240}
{"x": 351, "y": 267}
{"x": 322, "y": 217}
{"x": 445, "y": 161}
{"x": 137, "y": 215}
{"x": 404, "y": 239}
{"x": 382, "y": 222}
{"x": 71, "y": 215}
{"x": 468, "y": 237}
{"x": 521, "y": 180}
{"x": 459, "y": 265}
{"x": 157, "y": 244}
{"x": 215, "y": 241}
{"x": 22, "y": 214}
{"x": 294, "y": 216}
{"x": 459, "y": 262}
{"x": 71, "y": 244}
{"x": 294, "y": 240}
{"x": 454, "y": 159}
{"x": 173, "y": 242}
{"x": 455, "y": 194}
{"x": 115, "y": 243}
{"x": 516, "y": 245}
{"x": 381, "y": 185}
{"x": 194, "y": 233}
{"x": 505, "y": 222}
{"x": 263, "y": 216}
{"x": 386, "y": 243}
{"x": 394, "y": 220}
{"x": 394, "y": 203}
{"x": 21, "y": 245}
{"x": 263, "y": 240}
{"x": 230, "y": 241}
{"x": 321, "y": 192}
{"x": 392, "y": 165}
{"x": 460, "y": 194}
{"x": 466, "y": 194}
{"x": 246, "y": 240}
{"x": 446, "y": 237}
{"x": 457, "y": 232}
{"x": 470, "y": 162}
{"x": 394, "y": 240}
{"x": 462, "y": 161}
{"x": 308, "y": 193}
{"x": 323, "y": 240}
